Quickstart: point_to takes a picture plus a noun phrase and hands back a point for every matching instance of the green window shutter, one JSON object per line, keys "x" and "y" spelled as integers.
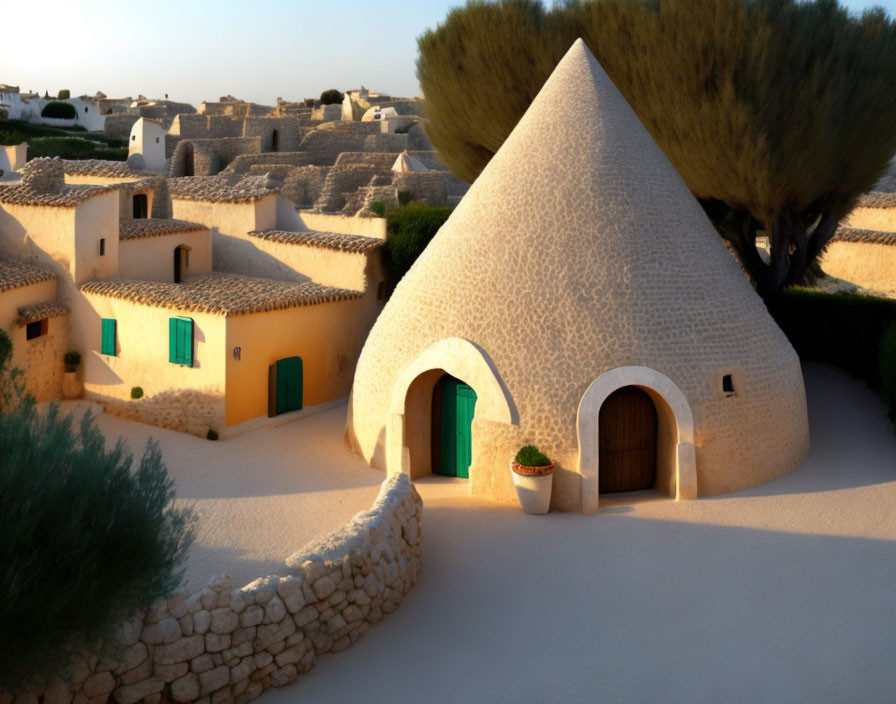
{"x": 286, "y": 382}
{"x": 180, "y": 341}
{"x": 108, "y": 341}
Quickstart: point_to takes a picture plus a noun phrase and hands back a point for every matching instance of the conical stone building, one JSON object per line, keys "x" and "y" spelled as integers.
{"x": 582, "y": 301}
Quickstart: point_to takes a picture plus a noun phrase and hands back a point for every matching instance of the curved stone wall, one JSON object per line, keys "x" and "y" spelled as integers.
{"x": 221, "y": 645}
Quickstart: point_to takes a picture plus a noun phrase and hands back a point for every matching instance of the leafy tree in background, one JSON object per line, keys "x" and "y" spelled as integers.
{"x": 777, "y": 114}
{"x": 64, "y": 94}
{"x": 330, "y": 97}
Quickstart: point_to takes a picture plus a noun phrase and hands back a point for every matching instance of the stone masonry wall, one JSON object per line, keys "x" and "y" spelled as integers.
{"x": 222, "y": 645}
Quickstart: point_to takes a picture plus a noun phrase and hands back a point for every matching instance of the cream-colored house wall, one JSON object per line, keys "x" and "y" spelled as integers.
{"x": 881, "y": 219}
{"x": 41, "y": 358}
{"x": 41, "y": 235}
{"x": 188, "y": 399}
{"x": 12, "y": 158}
{"x": 341, "y": 224}
{"x": 866, "y": 264}
{"x": 95, "y": 219}
{"x": 229, "y": 223}
{"x": 148, "y": 139}
{"x": 152, "y": 258}
{"x": 86, "y": 180}
{"x": 327, "y": 337}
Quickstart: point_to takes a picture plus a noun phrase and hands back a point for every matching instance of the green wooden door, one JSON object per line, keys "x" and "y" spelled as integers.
{"x": 458, "y": 404}
{"x": 289, "y": 384}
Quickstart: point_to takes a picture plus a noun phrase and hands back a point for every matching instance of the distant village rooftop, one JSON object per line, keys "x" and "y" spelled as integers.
{"x": 15, "y": 274}
{"x": 324, "y": 240}
{"x": 155, "y": 227}
{"x": 221, "y": 188}
{"x": 43, "y": 183}
{"x": 220, "y": 294}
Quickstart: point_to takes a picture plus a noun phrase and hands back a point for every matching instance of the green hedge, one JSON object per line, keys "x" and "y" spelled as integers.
{"x": 853, "y": 332}
{"x": 74, "y": 148}
{"x": 25, "y": 131}
{"x": 408, "y": 231}
{"x": 62, "y": 111}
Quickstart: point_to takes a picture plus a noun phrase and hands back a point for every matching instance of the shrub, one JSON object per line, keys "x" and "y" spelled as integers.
{"x": 886, "y": 366}
{"x": 409, "y": 230}
{"x": 65, "y": 94}
{"x": 71, "y": 359}
{"x": 378, "y": 207}
{"x": 63, "y": 111}
{"x": 29, "y": 130}
{"x": 10, "y": 139}
{"x": 530, "y": 456}
{"x": 212, "y": 434}
{"x": 12, "y": 385}
{"x": 405, "y": 197}
{"x": 330, "y": 97}
{"x": 74, "y": 148}
{"x": 94, "y": 537}
{"x": 136, "y": 392}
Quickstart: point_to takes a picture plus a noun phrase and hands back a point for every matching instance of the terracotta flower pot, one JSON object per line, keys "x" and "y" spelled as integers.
{"x": 533, "y": 486}
{"x": 71, "y": 387}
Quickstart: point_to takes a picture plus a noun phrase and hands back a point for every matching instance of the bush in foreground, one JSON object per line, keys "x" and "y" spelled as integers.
{"x": 88, "y": 537}
{"x": 408, "y": 231}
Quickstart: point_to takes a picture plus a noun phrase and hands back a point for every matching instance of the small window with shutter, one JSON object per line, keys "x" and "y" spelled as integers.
{"x": 108, "y": 342}
{"x": 180, "y": 341}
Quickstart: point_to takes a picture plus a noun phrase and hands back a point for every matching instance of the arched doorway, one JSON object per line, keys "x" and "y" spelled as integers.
{"x": 628, "y": 441}
{"x": 275, "y": 141}
{"x": 189, "y": 162}
{"x": 181, "y": 262}
{"x": 453, "y": 408}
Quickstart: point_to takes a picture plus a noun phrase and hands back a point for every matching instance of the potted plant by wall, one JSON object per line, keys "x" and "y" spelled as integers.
{"x": 533, "y": 476}
{"x": 71, "y": 387}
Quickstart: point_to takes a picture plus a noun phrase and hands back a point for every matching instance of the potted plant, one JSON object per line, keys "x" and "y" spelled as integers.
{"x": 71, "y": 387}
{"x": 532, "y": 473}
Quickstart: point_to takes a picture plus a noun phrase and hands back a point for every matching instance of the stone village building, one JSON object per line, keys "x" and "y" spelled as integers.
{"x": 579, "y": 299}
{"x": 214, "y": 296}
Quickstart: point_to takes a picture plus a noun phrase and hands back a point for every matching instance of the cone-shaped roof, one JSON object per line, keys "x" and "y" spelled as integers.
{"x": 405, "y": 163}
{"x": 578, "y": 249}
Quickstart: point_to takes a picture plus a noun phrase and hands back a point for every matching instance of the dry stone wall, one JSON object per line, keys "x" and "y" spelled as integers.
{"x": 222, "y": 645}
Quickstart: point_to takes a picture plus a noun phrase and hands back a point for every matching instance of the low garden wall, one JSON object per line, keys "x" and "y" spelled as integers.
{"x": 222, "y": 645}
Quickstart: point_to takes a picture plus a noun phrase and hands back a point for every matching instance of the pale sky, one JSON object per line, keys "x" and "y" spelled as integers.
{"x": 197, "y": 50}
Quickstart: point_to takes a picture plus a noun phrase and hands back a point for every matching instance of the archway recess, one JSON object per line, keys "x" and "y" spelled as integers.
{"x": 676, "y": 420}
{"x": 461, "y": 359}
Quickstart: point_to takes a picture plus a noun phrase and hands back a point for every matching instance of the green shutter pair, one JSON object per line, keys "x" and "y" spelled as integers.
{"x": 180, "y": 341}
{"x": 108, "y": 341}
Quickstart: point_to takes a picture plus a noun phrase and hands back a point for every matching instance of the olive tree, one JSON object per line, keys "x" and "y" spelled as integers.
{"x": 777, "y": 114}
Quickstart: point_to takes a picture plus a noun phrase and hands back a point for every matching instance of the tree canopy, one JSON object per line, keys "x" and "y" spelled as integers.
{"x": 330, "y": 97}
{"x": 777, "y": 114}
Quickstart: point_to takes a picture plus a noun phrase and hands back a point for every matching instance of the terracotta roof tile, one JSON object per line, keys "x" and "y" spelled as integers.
{"x": 854, "y": 234}
{"x": 39, "y": 311}
{"x": 222, "y": 188}
{"x": 325, "y": 240}
{"x": 155, "y": 227}
{"x": 220, "y": 294}
{"x": 67, "y": 197}
{"x": 877, "y": 199}
{"x": 15, "y": 274}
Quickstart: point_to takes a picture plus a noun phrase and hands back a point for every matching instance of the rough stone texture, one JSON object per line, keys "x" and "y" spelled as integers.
{"x": 155, "y": 227}
{"x": 43, "y": 184}
{"x": 15, "y": 274}
{"x": 325, "y": 240}
{"x": 380, "y": 546}
{"x": 866, "y": 258}
{"x": 580, "y": 239}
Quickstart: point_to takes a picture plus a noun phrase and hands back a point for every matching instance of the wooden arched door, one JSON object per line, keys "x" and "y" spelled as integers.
{"x": 627, "y": 441}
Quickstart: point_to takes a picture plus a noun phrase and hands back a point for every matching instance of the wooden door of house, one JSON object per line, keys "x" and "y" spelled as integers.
{"x": 452, "y": 427}
{"x": 285, "y": 386}
{"x": 627, "y": 440}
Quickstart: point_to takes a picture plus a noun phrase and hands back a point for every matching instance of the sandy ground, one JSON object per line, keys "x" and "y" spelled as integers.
{"x": 260, "y": 496}
{"x": 783, "y": 593}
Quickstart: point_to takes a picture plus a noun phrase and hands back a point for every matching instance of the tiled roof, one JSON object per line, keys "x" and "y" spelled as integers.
{"x": 66, "y": 197}
{"x": 98, "y": 167}
{"x": 222, "y": 188}
{"x": 326, "y": 240}
{"x": 877, "y": 199}
{"x": 854, "y": 234}
{"x": 220, "y": 294}
{"x": 39, "y": 311}
{"x": 155, "y": 227}
{"x": 15, "y": 274}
